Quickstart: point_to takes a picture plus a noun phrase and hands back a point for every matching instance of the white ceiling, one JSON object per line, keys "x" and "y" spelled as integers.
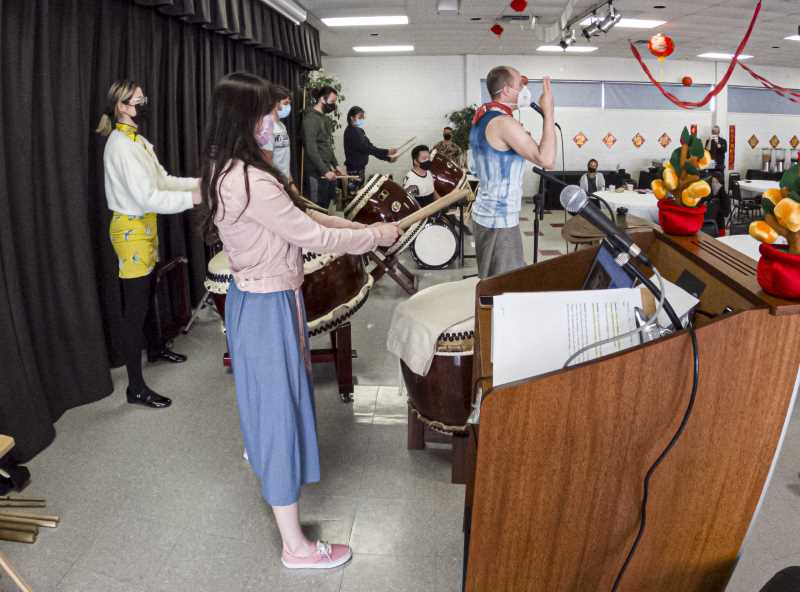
{"x": 696, "y": 26}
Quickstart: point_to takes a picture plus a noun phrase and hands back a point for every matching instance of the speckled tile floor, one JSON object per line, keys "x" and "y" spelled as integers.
{"x": 162, "y": 501}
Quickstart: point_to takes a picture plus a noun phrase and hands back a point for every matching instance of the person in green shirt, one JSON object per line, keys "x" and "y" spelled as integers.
{"x": 320, "y": 162}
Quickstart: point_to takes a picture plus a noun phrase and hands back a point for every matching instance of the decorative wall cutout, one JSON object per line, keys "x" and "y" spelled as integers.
{"x": 580, "y": 139}
{"x": 794, "y": 142}
{"x": 753, "y": 141}
{"x": 774, "y": 141}
{"x": 664, "y": 140}
{"x": 638, "y": 140}
{"x": 609, "y": 140}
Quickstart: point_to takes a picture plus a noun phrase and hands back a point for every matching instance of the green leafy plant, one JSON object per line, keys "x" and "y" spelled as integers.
{"x": 461, "y": 121}
{"x": 319, "y": 78}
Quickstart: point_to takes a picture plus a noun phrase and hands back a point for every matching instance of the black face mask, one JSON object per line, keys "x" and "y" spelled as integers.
{"x": 448, "y": 136}
{"x": 426, "y": 165}
{"x": 328, "y": 107}
{"x": 592, "y": 169}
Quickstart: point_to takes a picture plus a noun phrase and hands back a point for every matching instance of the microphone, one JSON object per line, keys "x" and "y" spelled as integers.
{"x": 575, "y": 201}
{"x": 540, "y": 111}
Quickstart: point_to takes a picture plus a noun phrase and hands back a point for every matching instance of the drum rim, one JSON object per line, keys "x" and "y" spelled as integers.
{"x": 332, "y": 320}
{"x": 408, "y": 237}
{"x": 365, "y": 193}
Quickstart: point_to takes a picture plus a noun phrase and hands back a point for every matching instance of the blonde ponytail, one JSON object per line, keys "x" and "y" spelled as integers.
{"x": 105, "y": 126}
{"x": 121, "y": 90}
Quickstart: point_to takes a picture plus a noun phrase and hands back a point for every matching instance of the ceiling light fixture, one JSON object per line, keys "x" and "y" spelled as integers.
{"x": 569, "y": 49}
{"x": 628, "y": 23}
{"x": 290, "y": 9}
{"x": 382, "y": 48}
{"x": 567, "y": 39}
{"x": 448, "y": 7}
{"x": 611, "y": 19}
{"x": 364, "y": 21}
{"x": 722, "y": 56}
{"x": 793, "y": 38}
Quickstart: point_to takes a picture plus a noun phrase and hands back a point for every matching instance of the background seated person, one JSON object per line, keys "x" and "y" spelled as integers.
{"x": 592, "y": 181}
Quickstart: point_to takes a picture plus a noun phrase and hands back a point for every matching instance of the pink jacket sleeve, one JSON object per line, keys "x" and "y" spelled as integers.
{"x": 334, "y": 221}
{"x": 271, "y": 207}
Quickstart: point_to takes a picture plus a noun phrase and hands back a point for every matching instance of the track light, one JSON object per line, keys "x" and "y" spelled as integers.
{"x": 611, "y": 19}
{"x": 592, "y": 29}
{"x": 567, "y": 39}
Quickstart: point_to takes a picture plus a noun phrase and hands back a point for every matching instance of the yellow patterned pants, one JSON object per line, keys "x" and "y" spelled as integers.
{"x": 135, "y": 241}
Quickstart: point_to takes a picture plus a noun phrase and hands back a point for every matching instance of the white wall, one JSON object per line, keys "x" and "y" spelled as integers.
{"x": 402, "y": 97}
{"x": 406, "y": 96}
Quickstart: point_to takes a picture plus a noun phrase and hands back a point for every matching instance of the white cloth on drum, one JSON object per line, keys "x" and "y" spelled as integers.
{"x": 418, "y": 322}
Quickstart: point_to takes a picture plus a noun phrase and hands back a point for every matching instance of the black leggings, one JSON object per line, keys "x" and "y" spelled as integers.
{"x": 136, "y": 294}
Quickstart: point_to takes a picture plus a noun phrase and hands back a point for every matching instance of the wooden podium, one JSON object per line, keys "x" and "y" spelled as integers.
{"x": 555, "y": 488}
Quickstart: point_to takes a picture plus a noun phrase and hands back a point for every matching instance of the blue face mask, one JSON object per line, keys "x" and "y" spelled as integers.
{"x": 284, "y": 111}
{"x": 360, "y": 122}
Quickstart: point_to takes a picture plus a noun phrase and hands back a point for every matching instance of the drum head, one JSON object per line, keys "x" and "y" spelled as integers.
{"x": 435, "y": 246}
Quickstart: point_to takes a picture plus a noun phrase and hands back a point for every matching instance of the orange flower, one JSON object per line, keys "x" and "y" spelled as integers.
{"x": 763, "y": 232}
{"x": 788, "y": 214}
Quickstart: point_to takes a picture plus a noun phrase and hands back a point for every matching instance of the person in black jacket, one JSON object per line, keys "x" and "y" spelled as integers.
{"x": 358, "y": 148}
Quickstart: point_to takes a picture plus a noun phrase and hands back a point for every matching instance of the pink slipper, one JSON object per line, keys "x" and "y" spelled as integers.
{"x": 326, "y": 556}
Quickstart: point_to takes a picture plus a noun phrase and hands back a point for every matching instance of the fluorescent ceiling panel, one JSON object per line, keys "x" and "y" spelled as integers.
{"x": 365, "y": 21}
{"x": 382, "y": 48}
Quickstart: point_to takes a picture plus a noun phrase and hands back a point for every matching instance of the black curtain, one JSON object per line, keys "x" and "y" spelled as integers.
{"x": 59, "y": 292}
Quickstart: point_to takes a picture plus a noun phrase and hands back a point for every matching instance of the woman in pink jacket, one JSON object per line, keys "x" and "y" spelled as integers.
{"x": 263, "y": 231}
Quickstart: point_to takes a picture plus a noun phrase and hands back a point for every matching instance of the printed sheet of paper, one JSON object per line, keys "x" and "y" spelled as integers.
{"x": 536, "y": 332}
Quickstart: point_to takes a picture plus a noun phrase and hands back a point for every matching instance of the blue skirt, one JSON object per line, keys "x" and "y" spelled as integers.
{"x": 268, "y": 342}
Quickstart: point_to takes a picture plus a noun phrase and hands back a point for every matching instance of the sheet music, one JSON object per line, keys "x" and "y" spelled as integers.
{"x": 536, "y": 332}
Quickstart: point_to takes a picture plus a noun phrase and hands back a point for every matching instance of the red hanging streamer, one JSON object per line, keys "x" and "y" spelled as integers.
{"x": 784, "y": 92}
{"x": 720, "y": 85}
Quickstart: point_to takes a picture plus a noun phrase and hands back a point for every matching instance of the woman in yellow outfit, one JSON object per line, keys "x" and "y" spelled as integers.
{"x": 137, "y": 189}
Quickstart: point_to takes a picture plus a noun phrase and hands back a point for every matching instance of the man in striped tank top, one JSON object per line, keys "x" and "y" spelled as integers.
{"x": 499, "y": 148}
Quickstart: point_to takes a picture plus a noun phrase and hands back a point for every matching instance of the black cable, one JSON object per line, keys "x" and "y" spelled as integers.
{"x": 675, "y": 437}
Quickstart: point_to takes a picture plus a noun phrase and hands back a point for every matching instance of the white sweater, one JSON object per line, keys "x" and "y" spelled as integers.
{"x": 136, "y": 183}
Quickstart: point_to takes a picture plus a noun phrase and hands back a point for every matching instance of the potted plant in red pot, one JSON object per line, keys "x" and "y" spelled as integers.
{"x": 779, "y": 267}
{"x": 680, "y": 191}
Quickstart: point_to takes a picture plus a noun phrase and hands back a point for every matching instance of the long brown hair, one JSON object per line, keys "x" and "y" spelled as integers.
{"x": 121, "y": 90}
{"x": 240, "y": 101}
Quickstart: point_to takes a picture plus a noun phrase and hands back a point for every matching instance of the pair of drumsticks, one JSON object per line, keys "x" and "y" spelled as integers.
{"x": 404, "y": 147}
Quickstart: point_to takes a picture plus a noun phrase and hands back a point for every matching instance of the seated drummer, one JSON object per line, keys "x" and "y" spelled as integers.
{"x": 419, "y": 180}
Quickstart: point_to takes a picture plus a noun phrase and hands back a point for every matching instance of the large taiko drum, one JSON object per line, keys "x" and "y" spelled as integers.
{"x": 334, "y": 288}
{"x": 442, "y": 399}
{"x": 383, "y": 200}
{"x": 447, "y": 175}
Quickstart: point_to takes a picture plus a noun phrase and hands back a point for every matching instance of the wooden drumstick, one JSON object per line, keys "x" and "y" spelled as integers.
{"x": 5, "y": 565}
{"x": 404, "y": 147}
{"x": 437, "y": 206}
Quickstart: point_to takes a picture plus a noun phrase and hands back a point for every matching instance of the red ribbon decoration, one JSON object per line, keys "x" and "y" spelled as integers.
{"x": 784, "y": 92}
{"x": 486, "y": 107}
{"x": 519, "y": 5}
{"x": 720, "y": 85}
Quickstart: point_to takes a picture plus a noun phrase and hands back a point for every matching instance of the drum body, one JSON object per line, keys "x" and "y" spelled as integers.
{"x": 217, "y": 279}
{"x": 443, "y": 398}
{"x": 447, "y": 175}
{"x": 436, "y": 245}
{"x": 334, "y": 288}
{"x": 383, "y": 200}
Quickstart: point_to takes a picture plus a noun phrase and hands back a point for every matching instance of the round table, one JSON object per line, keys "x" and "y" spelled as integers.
{"x": 758, "y": 186}
{"x": 641, "y": 205}
{"x": 746, "y": 244}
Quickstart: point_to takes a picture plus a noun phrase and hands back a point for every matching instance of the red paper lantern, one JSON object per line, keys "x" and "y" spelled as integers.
{"x": 497, "y": 29}
{"x": 687, "y": 81}
{"x": 519, "y": 5}
{"x": 661, "y": 46}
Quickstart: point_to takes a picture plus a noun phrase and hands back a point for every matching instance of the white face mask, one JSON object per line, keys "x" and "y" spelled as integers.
{"x": 524, "y": 98}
